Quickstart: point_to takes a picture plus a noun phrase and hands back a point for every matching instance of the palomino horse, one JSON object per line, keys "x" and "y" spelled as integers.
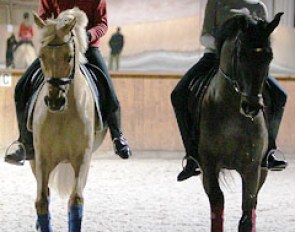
{"x": 24, "y": 55}
{"x": 64, "y": 117}
{"x": 233, "y": 131}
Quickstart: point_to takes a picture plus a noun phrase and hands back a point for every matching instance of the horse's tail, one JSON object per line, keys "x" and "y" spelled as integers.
{"x": 62, "y": 179}
{"x": 227, "y": 179}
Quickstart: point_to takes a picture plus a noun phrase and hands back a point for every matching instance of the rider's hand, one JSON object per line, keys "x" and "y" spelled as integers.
{"x": 88, "y": 36}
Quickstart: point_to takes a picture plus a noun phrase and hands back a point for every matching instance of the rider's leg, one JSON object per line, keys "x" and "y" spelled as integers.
{"x": 275, "y": 99}
{"x": 179, "y": 98}
{"x": 22, "y": 94}
{"x": 114, "y": 118}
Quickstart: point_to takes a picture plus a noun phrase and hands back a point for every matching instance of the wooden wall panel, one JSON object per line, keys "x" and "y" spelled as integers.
{"x": 147, "y": 116}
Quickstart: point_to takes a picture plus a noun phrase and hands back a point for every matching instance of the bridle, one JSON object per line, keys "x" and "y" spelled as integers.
{"x": 58, "y": 102}
{"x": 232, "y": 80}
{"x": 61, "y": 82}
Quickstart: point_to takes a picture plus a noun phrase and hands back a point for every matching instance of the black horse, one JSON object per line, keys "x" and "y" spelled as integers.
{"x": 233, "y": 131}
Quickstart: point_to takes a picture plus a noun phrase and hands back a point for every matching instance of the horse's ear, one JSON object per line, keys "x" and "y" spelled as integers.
{"x": 68, "y": 26}
{"x": 39, "y": 22}
{"x": 274, "y": 23}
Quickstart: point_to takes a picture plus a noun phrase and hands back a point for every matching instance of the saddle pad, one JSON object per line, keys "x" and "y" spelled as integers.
{"x": 38, "y": 82}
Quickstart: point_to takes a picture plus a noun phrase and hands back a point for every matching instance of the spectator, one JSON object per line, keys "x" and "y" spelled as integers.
{"x": 26, "y": 32}
{"x": 116, "y": 44}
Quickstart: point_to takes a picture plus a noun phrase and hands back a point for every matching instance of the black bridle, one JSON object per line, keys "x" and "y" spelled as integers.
{"x": 63, "y": 81}
{"x": 233, "y": 78}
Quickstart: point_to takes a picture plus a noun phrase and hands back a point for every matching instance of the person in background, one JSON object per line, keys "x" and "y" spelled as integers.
{"x": 96, "y": 12}
{"x": 216, "y": 13}
{"x": 10, "y": 47}
{"x": 116, "y": 44}
{"x": 25, "y": 32}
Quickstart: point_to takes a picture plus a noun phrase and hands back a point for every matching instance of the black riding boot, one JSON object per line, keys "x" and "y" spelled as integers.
{"x": 270, "y": 161}
{"x": 119, "y": 142}
{"x": 25, "y": 150}
{"x": 23, "y": 91}
{"x": 192, "y": 166}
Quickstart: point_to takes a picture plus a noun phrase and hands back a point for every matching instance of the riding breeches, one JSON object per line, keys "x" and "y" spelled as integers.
{"x": 114, "y": 120}
{"x": 274, "y": 95}
{"x": 179, "y": 95}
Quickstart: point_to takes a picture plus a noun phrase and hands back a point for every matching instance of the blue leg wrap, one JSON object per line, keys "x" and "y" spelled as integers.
{"x": 43, "y": 223}
{"x": 75, "y": 218}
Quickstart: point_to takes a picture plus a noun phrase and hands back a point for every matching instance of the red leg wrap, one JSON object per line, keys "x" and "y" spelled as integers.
{"x": 217, "y": 214}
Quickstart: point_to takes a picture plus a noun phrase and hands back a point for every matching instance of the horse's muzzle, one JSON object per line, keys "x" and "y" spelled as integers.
{"x": 55, "y": 105}
{"x": 250, "y": 109}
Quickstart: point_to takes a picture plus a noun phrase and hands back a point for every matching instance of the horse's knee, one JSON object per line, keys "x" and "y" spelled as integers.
{"x": 42, "y": 206}
{"x": 76, "y": 200}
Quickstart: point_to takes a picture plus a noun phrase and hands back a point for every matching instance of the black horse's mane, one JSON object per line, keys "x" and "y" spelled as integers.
{"x": 254, "y": 35}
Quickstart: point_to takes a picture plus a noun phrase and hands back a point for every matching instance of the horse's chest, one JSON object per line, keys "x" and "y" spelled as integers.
{"x": 232, "y": 133}
{"x": 66, "y": 136}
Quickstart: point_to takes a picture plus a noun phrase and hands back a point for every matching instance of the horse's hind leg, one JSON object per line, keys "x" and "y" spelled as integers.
{"x": 42, "y": 202}
{"x": 250, "y": 180}
{"x": 216, "y": 198}
{"x": 76, "y": 200}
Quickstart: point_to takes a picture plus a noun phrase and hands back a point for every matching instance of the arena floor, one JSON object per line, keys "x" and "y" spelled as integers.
{"x": 141, "y": 195}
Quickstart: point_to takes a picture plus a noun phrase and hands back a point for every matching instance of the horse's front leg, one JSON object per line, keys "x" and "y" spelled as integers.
{"x": 42, "y": 203}
{"x": 250, "y": 181}
{"x": 215, "y": 195}
{"x": 76, "y": 201}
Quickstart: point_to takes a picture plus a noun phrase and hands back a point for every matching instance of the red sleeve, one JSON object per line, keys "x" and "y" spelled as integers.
{"x": 101, "y": 22}
{"x": 46, "y": 9}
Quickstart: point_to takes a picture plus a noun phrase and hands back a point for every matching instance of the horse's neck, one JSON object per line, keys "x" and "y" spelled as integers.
{"x": 77, "y": 88}
{"x": 222, "y": 92}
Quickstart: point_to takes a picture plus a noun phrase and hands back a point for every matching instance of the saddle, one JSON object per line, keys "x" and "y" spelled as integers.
{"x": 197, "y": 89}
{"x": 100, "y": 93}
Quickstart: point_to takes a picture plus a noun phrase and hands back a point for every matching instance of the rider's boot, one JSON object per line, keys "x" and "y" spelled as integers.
{"x": 270, "y": 160}
{"x": 120, "y": 144}
{"x": 25, "y": 150}
{"x": 192, "y": 167}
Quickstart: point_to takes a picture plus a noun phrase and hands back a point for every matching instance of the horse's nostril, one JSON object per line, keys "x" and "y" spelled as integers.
{"x": 246, "y": 107}
{"x": 250, "y": 110}
{"x": 55, "y": 104}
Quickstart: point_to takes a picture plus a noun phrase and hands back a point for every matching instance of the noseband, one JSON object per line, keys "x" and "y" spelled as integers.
{"x": 233, "y": 80}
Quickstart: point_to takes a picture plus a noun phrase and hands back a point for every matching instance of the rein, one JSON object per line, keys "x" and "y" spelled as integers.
{"x": 60, "y": 82}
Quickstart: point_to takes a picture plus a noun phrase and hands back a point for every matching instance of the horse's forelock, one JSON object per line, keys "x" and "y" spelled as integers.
{"x": 47, "y": 34}
{"x": 52, "y": 25}
{"x": 235, "y": 24}
{"x": 79, "y": 28}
